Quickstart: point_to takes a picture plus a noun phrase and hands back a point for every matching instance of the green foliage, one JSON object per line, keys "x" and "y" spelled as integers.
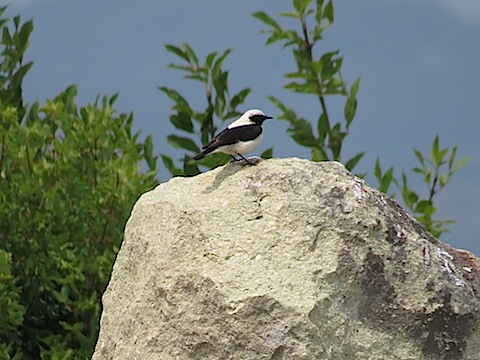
{"x": 436, "y": 171}
{"x": 200, "y": 124}
{"x": 384, "y": 179}
{"x": 11, "y": 310}
{"x": 316, "y": 75}
{"x": 69, "y": 176}
{"x": 12, "y": 69}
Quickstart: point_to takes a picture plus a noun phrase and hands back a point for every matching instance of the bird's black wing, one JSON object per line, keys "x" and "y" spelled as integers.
{"x": 229, "y": 137}
{"x": 234, "y": 135}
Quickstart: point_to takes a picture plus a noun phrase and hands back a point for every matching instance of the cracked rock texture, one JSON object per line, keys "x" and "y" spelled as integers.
{"x": 288, "y": 259}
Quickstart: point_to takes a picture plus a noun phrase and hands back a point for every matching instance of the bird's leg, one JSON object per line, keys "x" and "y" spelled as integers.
{"x": 248, "y": 162}
{"x": 234, "y": 158}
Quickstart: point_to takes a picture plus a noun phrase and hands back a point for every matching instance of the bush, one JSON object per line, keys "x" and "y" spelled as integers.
{"x": 69, "y": 177}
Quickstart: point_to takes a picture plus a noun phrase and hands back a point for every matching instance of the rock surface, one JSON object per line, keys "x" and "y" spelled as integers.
{"x": 288, "y": 259}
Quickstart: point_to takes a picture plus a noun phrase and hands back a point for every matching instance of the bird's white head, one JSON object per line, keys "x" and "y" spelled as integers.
{"x": 253, "y": 112}
{"x": 252, "y": 116}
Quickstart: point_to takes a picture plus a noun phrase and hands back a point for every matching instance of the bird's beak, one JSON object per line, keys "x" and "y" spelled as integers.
{"x": 269, "y": 117}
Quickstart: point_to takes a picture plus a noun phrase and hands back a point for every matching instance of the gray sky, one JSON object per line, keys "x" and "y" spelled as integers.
{"x": 418, "y": 61}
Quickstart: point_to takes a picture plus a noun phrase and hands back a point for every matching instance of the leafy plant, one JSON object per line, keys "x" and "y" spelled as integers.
{"x": 436, "y": 171}
{"x": 69, "y": 176}
{"x": 12, "y": 68}
{"x": 320, "y": 75}
{"x": 11, "y": 310}
{"x": 384, "y": 179}
{"x": 201, "y": 125}
{"x": 317, "y": 75}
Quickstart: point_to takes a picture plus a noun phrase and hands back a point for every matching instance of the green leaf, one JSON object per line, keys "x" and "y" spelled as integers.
{"x": 443, "y": 180}
{"x": 425, "y": 207}
{"x": 182, "y": 121}
{"x": 377, "y": 170}
{"x": 427, "y": 175}
{"x": 198, "y": 77}
{"x": 303, "y": 59}
{"x": 386, "y": 181}
{"x": 336, "y": 135}
{"x": 6, "y": 37}
{"x": 301, "y": 5}
{"x": 452, "y": 157}
{"x": 331, "y": 64}
{"x": 218, "y": 63}
{"x": 186, "y": 68}
{"x": 319, "y": 12}
{"x": 291, "y": 15}
{"x": 267, "y": 154}
{"x": 307, "y": 88}
{"x": 113, "y": 99}
{"x": 318, "y": 154}
{"x": 409, "y": 197}
{"x": 192, "y": 57}
{"x": 287, "y": 113}
{"x": 317, "y": 33}
{"x": 434, "y": 149}
{"x": 220, "y": 83}
{"x": 323, "y": 128}
{"x": 209, "y": 59}
{"x": 419, "y": 156}
{"x": 266, "y": 19}
{"x": 24, "y": 34}
{"x": 168, "y": 163}
{"x": 350, "y": 164}
{"x": 219, "y": 105}
{"x": 180, "y": 142}
{"x": 292, "y": 38}
{"x": 328, "y": 12}
{"x": 298, "y": 75}
{"x": 334, "y": 86}
{"x": 439, "y": 160}
{"x": 189, "y": 168}
{"x": 16, "y": 21}
{"x": 276, "y": 36}
{"x": 460, "y": 163}
{"x": 207, "y": 127}
{"x": 148, "y": 153}
{"x": 177, "y": 51}
{"x": 180, "y": 103}
{"x": 351, "y": 104}
{"x": 239, "y": 98}
{"x": 301, "y": 131}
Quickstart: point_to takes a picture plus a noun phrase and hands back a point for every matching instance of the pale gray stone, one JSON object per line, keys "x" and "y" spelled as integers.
{"x": 288, "y": 259}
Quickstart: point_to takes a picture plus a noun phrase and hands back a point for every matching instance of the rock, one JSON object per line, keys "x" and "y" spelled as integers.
{"x": 288, "y": 259}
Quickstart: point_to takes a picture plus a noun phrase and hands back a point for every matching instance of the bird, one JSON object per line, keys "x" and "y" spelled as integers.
{"x": 242, "y": 136}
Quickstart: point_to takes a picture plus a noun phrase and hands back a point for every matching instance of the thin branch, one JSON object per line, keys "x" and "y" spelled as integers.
{"x": 308, "y": 46}
{"x": 433, "y": 191}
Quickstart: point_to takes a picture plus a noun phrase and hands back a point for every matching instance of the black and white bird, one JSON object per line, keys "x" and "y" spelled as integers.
{"x": 240, "y": 137}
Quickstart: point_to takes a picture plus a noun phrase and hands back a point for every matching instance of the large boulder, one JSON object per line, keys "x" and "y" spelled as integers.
{"x": 288, "y": 259}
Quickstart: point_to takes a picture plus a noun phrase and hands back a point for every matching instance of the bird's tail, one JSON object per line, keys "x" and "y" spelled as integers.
{"x": 199, "y": 156}
{"x": 204, "y": 153}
